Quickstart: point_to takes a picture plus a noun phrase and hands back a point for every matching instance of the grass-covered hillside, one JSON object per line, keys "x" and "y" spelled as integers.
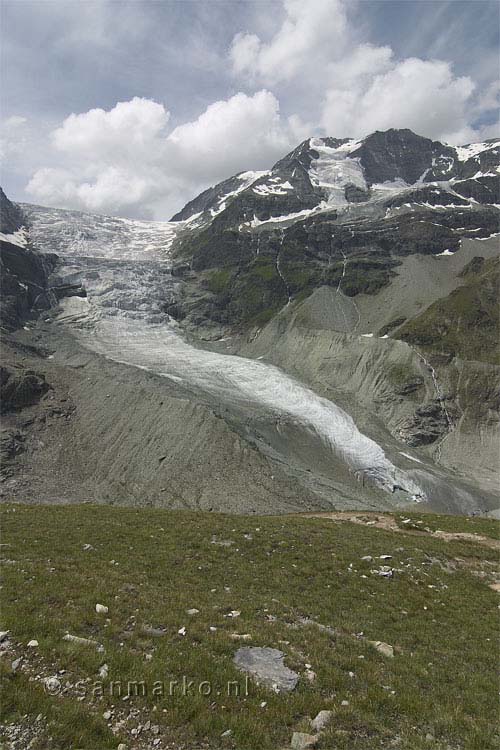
{"x": 295, "y": 584}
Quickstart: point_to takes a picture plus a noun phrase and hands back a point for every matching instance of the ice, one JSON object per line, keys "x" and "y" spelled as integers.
{"x": 333, "y": 170}
{"x": 245, "y": 382}
{"x": 78, "y": 234}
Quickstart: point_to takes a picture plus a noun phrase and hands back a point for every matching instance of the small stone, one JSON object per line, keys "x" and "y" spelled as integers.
{"x": 429, "y": 737}
{"x": 107, "y": 715}
{"x": 3, "y": 635}
{"x": 121, "y": 746}
{"x": 16, "y": 664}
{"x": 310, "y": 675}
{"x": 103, "y": 671}
{"x": 367, "y": 558}
{"x": 193, "y": 611}
{"x": 241, "y": 636}
{"x": 101, "y": 609}
{"x": 303, "y": 741}
{"x": 385, "y": 557}
{"x": 344, "y": 703}
{"x": 227, "y": 733}
{"x": 52, "y": 685}
{"x": 182, "y": 631}
{"x": 322, "y": 720}
{"x": 32, "y": 644}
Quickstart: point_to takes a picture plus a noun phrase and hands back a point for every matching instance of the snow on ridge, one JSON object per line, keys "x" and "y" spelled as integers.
{"x": 473, "y": 149}
{"x": 19, "y": 237}
{"x": 247, "y": 180}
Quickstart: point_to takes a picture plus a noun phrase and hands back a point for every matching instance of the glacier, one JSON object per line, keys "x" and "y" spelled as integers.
{"x": 124, "y": 266}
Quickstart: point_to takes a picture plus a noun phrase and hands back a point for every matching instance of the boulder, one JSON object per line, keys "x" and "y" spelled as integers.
{"x": 266, "y": 666}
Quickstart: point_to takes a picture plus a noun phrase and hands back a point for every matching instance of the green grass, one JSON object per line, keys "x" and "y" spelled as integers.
{"x": 278, "y": 570}
{"x": 218, "y": 282}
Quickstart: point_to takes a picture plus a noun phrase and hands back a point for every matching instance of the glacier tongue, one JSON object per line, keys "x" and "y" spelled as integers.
{"x": 239, "y": 381}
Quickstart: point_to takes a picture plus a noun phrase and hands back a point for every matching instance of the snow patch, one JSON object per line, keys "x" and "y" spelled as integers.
{"x": 473, "y": 149}
{"x": 19, "y": 237}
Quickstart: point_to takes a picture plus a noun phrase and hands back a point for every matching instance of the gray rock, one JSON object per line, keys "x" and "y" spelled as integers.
{"x": 383, "y": 648}
{"x": 303, "y": 741}
{"x": 321, "y": 720}
{"x": 267, "y": 667}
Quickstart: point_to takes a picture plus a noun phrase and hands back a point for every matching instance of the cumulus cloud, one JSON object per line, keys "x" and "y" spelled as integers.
{"x": 135, "y": 158}
{"x": 417, "y": 94}
{"x": 125, "y": 159}
{"x": 308, "y": 35}
{"x": 359, "y": 87}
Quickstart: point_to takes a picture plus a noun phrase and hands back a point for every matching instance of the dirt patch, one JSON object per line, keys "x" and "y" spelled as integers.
{"x": 388, "y": 523}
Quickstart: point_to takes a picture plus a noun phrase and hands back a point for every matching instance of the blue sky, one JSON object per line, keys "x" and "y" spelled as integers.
{"x": 209, "y": 88}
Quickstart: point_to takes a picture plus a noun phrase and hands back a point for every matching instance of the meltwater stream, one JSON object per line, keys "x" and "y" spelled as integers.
{"x": 122, "y": 319}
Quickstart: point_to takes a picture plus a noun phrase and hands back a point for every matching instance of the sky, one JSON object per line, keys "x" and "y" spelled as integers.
{"x": 132, "y": 108}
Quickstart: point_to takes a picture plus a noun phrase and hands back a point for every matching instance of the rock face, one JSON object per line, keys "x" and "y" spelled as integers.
{"x": 11, "y": 216}
{"x": 24, "y": 272}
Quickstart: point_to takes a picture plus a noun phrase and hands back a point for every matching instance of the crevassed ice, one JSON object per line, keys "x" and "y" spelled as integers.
{"x": 74, "y": 233}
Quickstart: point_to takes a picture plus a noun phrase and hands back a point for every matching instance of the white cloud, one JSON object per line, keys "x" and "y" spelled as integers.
{"x": 358, "y": 87}
{"x": 421, "y": 95}
{"x": 124, "y": 160}
{"x": 309, "y": 33}
{"x": 317, "y": 61}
